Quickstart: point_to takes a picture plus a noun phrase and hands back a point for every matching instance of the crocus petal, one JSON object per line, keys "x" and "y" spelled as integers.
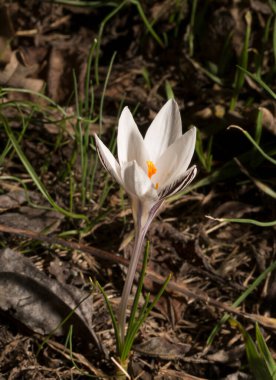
{"x": 141, "y": 191}
{"x": 164, "y": 130}
{"x": 179, "y": 184}
{"x": 137, "y": 183}
{"x": 130, "y": 143}
{"x": 176, "y": 159}
{"x": 108, "y": 160}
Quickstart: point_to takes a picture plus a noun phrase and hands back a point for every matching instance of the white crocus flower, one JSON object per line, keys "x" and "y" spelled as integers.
{"x": 155, "y": 167}
{"x": 150, "y": 169}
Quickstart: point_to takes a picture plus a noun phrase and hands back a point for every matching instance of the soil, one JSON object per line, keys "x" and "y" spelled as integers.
{"x": 54, "y": 323}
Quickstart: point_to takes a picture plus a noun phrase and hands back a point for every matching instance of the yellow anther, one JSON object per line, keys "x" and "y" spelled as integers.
{"x": 151, "y": 169}
{"x": 156, "y": 186}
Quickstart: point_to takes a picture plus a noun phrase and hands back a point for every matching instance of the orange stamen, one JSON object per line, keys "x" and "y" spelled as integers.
{"x": 151, "y": 169}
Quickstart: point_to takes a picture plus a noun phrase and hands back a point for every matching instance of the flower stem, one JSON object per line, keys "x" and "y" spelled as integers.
{"x": 138, "y": 245}
{"x": 141, "y": 227}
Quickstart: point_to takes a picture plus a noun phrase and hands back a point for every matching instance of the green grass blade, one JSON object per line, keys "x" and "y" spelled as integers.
{"x": 169, "y": 90}
{"x": 87, "y": 81}
{"x": 266, "y": 156}
{"x": 241, "y": 298}
{"x": 104, "y": 91}
{"x": 257, "y": 363}
{"x": 146, "y": 76}
{"x": 146, "y": 22}
{"x": 96, "y": 160}
{"x": 145, "y": 314}
{"x": 5, "y": 152}
{"x": 85, "y": 4}
{"x": 264, "y": 351}
{"x": 265, "y": 188}
{"x": 259, "y": 126}
{"x": 99, "y": 39}
{"x": 80, "y": 143}
{"x": 239, "y": 78}
{"x": 191, "y": 35}
{"x": 205, "y": 158}
{"x": 40, "y": 95}
{"x": 34, "y": 176}
{"x": 69, "y": 343}
{"x": 259, "y": 81}
{"x": 113, "y": 318}
{"x": 272, "y": 4}
{"x": 245, "y": 221}
{"x": 62, "y": 323}
{"x": 130, "y": 337}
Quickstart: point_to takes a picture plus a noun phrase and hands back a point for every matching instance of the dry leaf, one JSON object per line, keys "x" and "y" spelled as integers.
{"x": 41, "y": 303}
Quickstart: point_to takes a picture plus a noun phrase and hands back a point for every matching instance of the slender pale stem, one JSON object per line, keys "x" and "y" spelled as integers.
{"x": 140, "y": 233}
{"x": 138, "y": 245}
